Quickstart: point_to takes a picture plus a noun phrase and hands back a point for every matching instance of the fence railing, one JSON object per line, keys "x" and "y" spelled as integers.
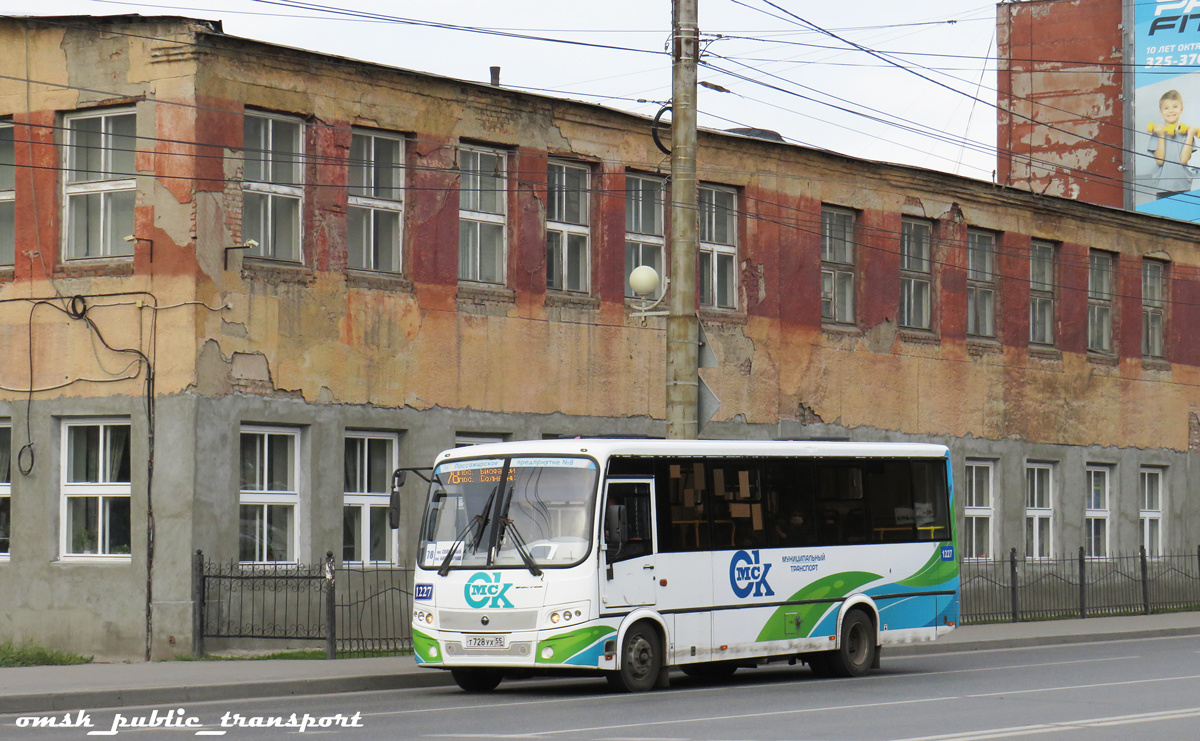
{"x": 355, "y": 609}
{"x": 1013, "y": 589}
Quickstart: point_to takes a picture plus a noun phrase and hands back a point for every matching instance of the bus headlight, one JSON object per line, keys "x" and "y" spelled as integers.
{"x": 574, "y": 613}
{"x": 554, "y": 618}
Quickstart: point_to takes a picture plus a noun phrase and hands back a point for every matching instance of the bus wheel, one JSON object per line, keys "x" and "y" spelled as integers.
{"x": 857, "y": 653}
{"x": 641, "y": 659}
{"x": 477, "y": 680}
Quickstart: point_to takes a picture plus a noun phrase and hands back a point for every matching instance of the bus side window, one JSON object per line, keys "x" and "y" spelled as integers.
{"x": 931, "y": 504}
{"x": 843, "y": 504}
{"x": 791, "y": 504}
{"x": 683, "y": 520}
{"x": 889, "y": 489}
{"x": 634, "y": 499}
{"x": 737, "y": 505}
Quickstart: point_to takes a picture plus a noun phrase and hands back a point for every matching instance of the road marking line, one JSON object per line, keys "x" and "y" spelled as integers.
{"x": 1085, "y": 686}
{"x": 1076, "y": 725}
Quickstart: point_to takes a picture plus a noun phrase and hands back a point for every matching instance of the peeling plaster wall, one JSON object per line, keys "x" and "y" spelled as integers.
{"x": 1061, "y": 103}
{"x": 322, "y": 348}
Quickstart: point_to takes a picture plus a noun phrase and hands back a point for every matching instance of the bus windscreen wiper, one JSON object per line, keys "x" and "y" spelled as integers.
{"x": 518, "y": 541}
{"x": 481, "y": 520}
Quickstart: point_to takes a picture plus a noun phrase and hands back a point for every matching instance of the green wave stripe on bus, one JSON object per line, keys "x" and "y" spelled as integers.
{"x": 566, "y": 645}
{"x": 421, "y": 645}
{"x": 934, "y": 572}
{"x": 831, "y": 588}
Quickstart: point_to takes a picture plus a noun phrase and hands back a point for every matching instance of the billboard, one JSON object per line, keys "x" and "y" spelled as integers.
{"x": 1166, "y": 108}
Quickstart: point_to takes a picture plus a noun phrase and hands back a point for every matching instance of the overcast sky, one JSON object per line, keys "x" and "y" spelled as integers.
{"x": 811, "y": 87}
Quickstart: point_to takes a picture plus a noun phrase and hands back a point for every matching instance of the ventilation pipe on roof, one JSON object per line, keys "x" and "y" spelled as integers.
{"x": 496, "y": 76}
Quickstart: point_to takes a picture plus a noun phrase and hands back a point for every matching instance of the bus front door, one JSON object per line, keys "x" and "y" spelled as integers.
{"x": 629, "y": 579}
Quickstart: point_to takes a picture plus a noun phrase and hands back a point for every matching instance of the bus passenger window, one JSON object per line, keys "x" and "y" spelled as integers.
{"x": 931, "y": 500}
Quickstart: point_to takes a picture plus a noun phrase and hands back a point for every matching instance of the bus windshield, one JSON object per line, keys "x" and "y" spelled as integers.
{"x": 545, "y": 507}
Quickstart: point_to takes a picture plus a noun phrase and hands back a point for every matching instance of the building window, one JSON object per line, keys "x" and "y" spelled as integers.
{"x": 916, "y": 273}
{"x": 101, "y": 184}
{"x": 463, "y": 439}
{"x": 977, "y": 533}
{"x": 375, "y": 211}
{"x": 981, "y": 283}
{"x": 8, "y": 196}
{"x": 1150, "y": 511}
{"x": 96, "y": 489}
{"x": 481, "y": 215}
{"x": 370, "y": 458}
{"x": 718, "y": 247}
{"x": 567, "y": 232}
{"x": 5, "y": 492}
{"x": 837, "y": 265}
{"x": 1100, "y": 270}
{"x": 1153, "y": 295}
{"x": 643, "y": 227}
{"x": 1095, "y": 516}
{"x": 273, "y": 186}
{"x": 270, "y": 495}
{"x": 1039, "y": 510}
{"x": 1041, "y": 293}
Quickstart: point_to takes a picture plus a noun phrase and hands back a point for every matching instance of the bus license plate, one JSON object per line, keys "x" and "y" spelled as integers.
{"x": 485, "y": 641}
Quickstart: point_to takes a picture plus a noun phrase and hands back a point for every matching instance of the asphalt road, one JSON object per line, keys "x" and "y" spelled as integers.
{"x": 1147, "y": 688}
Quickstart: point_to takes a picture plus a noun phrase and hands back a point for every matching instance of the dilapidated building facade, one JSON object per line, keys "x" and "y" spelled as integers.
{"x": 240, "y": 283}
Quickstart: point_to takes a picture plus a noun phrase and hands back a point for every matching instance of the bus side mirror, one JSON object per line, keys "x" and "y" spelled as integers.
{"x": 398, "y": 478}
{"x": 616, "y": 527}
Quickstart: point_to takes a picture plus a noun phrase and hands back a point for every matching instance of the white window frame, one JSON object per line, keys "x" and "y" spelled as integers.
{"x": 567, "y": 269}
{"x": 1152, "y": 492}
{"x": 1039, "y": 511}
{"x": 981, "y": 283}
{"x": 1042, "y": 263}
{"x": 978, "y": 510}
{"x": 1153, "y": 308}
{"x": 6, "y": 493}
{"x": 8, "y": 195}
{"x": 104, "y": 491}
{"x": 645, "y": 240}
{"x": 916, "y": 273}
{"x": 265, "y": 498}
{"x": 837, "y": 265}
{"x": 1100, "y": 301}
{"x": 373, "y": 203}
{"x": 369, "y": 503}
{"x": 273, "y": 189}
{"x": 473, "y": 219}
{"x": 1096, "y": 497}
{"x": 463, "y": 439}
{"x": 718, "y": 251}
{"x": 110, "y": 184}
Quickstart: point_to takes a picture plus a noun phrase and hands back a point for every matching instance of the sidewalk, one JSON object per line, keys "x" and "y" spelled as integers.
{"x": 61, "y": 688}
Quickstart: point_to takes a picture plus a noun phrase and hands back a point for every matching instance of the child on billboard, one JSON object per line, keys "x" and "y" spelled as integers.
{"x": 1172, "y": 145}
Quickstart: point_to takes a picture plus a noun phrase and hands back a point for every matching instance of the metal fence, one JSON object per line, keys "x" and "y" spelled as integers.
{"x": 357, "y": 610}
{"x": 1014, "y": 590}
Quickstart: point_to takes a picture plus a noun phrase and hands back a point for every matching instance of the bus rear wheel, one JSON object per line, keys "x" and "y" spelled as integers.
{"x": 641, "y": 659}
{"x": 477, "y": 680}
{"x": 857, "y": 652}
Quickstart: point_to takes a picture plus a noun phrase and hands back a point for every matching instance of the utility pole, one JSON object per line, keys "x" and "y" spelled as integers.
{"x": 683, "y": 325}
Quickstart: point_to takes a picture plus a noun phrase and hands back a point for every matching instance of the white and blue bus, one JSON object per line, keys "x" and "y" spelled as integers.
{"x": 628, "y": 557}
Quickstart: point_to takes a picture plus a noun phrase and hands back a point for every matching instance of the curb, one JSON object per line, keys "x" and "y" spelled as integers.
{"x": 1035, "y": 641}
{"x": 88, "y": 699}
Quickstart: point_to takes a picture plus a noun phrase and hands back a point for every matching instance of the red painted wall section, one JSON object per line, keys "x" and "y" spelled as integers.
{"x": 1072, "y": 298}
{"x": 1127, "y": 302}
{"x": 433, "y": 221}
{"x": 800, "y": 265}
{"x": 761, "y": 236}
{"x": 37, "y": 219}
{"x": 878, "y": 268}
{"x": 1183, "y": 315}
{"x": 1012, "y": 279}
{"x": 325, "y": 240}
{"x": 950, "y": 249}
{"x": 527, "y": 229}
{"x": 1061, "y": 112}
{"x": 608, "y": 251}
{"x": 218, "y": 127}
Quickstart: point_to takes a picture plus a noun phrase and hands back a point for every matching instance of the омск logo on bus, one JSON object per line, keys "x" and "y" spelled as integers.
{"x": 485, "y": 590}
{"x": 747, "y": 575}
